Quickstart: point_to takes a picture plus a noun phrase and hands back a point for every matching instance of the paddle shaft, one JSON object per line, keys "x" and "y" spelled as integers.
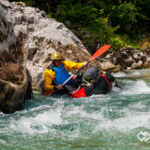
{"x": 75, "y": 74}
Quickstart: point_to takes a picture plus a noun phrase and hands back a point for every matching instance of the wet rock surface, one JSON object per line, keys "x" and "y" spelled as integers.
{"x": 14, "y": 80}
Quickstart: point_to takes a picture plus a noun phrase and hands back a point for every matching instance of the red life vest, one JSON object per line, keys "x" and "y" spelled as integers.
{"x": 79, "y": 93}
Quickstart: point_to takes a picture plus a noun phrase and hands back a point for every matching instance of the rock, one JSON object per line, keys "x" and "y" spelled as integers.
{"x": 128, "y": 61}
{"x": 128, "y": 58}
{"x": 147, "y": 63}
{"x": 107, "y": 66}
{"x": 138, "y": 65}
{"x": 29, "y": 92}
{"x": 117, "y": 68}
{"x": 13, "y": 51}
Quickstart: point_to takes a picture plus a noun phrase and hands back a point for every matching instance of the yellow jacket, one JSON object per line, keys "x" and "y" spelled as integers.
{"x": 49, "y": 74}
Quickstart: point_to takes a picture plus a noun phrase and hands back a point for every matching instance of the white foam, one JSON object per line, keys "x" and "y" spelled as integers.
{"x": 138, "y": 105}
{"x": 38, "y": 124}
{"x": 131, "y": 119}
{"x": 120, "y": 74}
{"x": 3, "y": 141}
{"x": 126, "y": 124}
{"x": 137, "y": 87}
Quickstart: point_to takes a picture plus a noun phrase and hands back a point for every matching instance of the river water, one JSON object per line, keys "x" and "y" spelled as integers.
{"x": 119, "y": 120}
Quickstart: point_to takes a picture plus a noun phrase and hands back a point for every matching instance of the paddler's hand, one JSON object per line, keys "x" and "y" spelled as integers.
{"x": 59, "y": 87}
{"x": 85, "y": 64}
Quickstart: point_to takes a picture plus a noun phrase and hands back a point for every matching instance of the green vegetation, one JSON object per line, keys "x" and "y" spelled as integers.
{"x": 99, "y": 22}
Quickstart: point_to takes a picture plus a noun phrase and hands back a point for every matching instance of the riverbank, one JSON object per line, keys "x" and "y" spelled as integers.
{"x": 127, "y": 58}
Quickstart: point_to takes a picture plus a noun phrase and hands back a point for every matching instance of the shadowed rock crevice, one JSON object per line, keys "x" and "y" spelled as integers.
{"x": 2, "y": 37}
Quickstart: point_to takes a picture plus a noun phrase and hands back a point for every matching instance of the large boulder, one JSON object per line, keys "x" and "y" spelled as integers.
{"x": 14, "y": 79}
{"x": 46, "y": 36}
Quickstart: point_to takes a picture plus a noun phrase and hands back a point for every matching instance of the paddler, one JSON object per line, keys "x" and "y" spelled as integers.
{"x": 57, "y": 73}
{"x": 94, "y": 83}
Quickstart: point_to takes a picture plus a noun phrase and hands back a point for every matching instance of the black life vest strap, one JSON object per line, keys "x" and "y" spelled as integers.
{"x": 109, "y": 85}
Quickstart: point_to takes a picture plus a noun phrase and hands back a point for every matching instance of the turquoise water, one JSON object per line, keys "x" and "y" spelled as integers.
{"x": 119, "y": 120}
